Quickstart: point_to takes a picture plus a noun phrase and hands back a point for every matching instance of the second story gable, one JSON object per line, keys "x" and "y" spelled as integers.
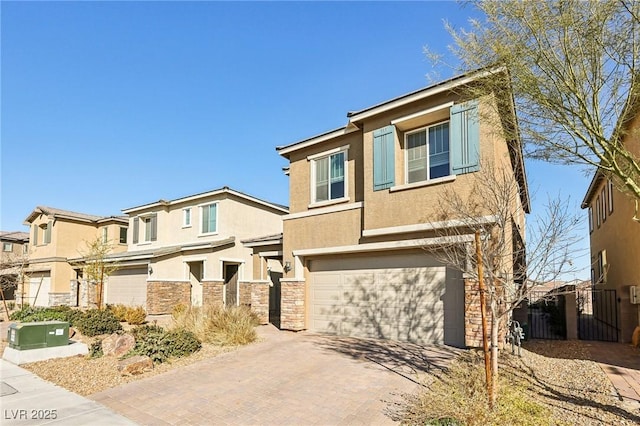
{"x": 201, "y": 218}
{"x": 393, "y": 160}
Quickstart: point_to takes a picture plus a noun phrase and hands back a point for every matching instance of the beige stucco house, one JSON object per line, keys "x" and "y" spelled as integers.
{"x": 15, "y": 249}
{"x": 58, "y": 238}
{"x": 189, "y": 251}
{"x": 615, "y": 243}
{"x": 362, "y": 210}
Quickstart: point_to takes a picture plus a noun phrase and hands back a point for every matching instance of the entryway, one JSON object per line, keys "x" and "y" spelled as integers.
{"x": 196, "y": 270}
{"x": 597, "y": 315}
{"x": 231, "y": 296}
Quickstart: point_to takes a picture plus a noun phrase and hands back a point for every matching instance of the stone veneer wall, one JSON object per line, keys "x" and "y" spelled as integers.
{"x": 162, "y": 296}
{"x": 292, "y": 304}
{"x": 57, "y": 299}
{"x": 473, "y": 317}
{"x": 260, "y": 300}
{"x": 212, "y": 292}
{"x": 245, "y": 293}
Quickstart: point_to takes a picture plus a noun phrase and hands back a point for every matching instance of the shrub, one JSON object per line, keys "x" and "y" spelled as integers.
{"x": 119, "y": 311}
{"x": 53, "y": 313}
{"x": 219, "y": 325}
{"x": 97, "y": 321}
{"x": 136, "y": 315}
{"x": 160, "y": 345}
{"x": 182, "y": 343}
{"x": 141, "y": 331}
{"x": 178, "y": 310}
{"x": 95, "y": 349}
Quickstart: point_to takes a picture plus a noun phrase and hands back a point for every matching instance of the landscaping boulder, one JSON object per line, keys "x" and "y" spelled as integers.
{"x": 135, "y": 365}
{"x": 118, "y": 344}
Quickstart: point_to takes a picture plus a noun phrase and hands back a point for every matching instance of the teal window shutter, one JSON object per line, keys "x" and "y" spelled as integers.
{"x": 47, "y": 232}
{"x": 383, "y": 158}
{"x": 465, "y": 138}
{"x": 154, "y": 227}
{"x": 35, "y": 235}
{"x": 136, "y": 229}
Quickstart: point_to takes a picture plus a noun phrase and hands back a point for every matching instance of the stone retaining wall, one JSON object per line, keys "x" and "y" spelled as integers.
{"x": 162, "y": 296}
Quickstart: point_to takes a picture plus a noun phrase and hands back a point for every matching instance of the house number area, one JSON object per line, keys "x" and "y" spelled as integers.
{"x": 30, "y": 414}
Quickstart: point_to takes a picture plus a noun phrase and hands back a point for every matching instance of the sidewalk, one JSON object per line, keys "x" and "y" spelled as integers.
{"x": 28, "y": 400}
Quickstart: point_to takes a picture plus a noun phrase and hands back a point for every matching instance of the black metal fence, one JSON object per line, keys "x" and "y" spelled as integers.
{"x": 547, "y": 318}
{"x": 597, "y": 315}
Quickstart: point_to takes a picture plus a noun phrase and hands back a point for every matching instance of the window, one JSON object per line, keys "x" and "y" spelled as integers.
{"x": 209, "y": 218}
{"x": 603, "y": 200}
{"x": 598, "y": 210}
{"x": 150, "y": 228}
{"x": 105, "y": 235}
{"x": 25, "y": 248}
{"x": 7, "y": 246}
{"x": 123, "y": 235}
{"x": 590, "y": 213}
{"x": 427, "y": 153}
{"x": 610, "y": 190}
{"x": 45, "y": 229}
{"x": 186, "y": 217}
{"x": 329, "y": 176}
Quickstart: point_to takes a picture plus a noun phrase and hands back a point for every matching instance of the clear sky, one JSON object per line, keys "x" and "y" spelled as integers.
{"x": 109, "y": 105}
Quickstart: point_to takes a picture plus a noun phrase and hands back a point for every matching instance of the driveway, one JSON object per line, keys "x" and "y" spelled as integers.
{"x": 286, "y": 378}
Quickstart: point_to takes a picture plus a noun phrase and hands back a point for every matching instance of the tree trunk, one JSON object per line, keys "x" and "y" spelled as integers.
{"x": 495, "y": 333}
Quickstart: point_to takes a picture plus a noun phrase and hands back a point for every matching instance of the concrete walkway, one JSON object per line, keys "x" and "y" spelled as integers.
{"x": 621, "y": 363}
{"x": 284, "y": 379}
{"x": 28, "y": 400}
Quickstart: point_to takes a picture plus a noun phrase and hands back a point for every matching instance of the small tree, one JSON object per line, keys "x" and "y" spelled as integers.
{"x": 511, "y": 266}
{"x": 14, "y": 274}
{"x": 573, "y": 67}
{"x": 97, "y": 267}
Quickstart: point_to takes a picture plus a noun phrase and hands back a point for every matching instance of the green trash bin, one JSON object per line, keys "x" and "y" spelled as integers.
{"x": 35, "y": 335}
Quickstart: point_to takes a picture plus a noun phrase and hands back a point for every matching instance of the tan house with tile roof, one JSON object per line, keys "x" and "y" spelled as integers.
{"x": 57, "y": 238}
{"x": 615, "y": 241}
{"x": 362, "y": 209}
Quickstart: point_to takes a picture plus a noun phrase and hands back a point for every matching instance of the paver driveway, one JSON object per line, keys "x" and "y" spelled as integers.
{"x": 287, "y": 378}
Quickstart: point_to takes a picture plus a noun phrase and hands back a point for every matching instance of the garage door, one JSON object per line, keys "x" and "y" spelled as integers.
{"x": 39, "y": 288}
{"x": 127, "y": 287}
{"x": 400, "y": 297}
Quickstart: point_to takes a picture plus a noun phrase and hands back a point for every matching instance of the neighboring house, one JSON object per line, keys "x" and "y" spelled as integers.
{"x": 362, "y": 209}
{"x": 615, "y": 241}
{"x": 58, "y": 239}
{"x": 15, "y": 250}
{"x": 189, "y": 251}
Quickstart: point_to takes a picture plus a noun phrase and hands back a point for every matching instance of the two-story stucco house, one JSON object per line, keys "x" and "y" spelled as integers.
{"x": 615, "y": 243}
{"x": 189, "y": 251}
{"x": 15, "y": 250}
{"x": 58, "y": 237}
{"x": 362, "y": 210}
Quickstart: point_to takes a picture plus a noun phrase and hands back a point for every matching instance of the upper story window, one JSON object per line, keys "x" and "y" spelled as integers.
{"x": 150, "y": 228}
{"x": 186, "y": 217}
{"x": 42, "y": 233}
{"x": 105, "y": 235}
{"x": 603, "y": 200}
{"x": 590, "y": 214}
{"x": 7, "y": 246}
{"x": 610, "y": 193}
{"x": 209, "y": 215}
{"x": 123, "y": 235}
{"x": 329, "y": 175}
{"x": 427, "y": 153}
{"x": 598, "y": 212}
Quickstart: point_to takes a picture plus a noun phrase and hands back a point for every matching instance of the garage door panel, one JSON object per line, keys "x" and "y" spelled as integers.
{"x": 371, "y": 297}
{"x": 39, "y": 288}
{"x": 127, "y": 287}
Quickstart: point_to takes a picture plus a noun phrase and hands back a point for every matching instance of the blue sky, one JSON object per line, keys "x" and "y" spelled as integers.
{"x": 109, "y": 105}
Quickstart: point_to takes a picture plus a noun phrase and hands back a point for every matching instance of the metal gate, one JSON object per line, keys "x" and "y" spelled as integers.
{"x": 597, "y": 315}
{"x": 547, "y": 319}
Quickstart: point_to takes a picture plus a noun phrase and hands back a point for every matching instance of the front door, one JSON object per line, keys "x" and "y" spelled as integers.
{"x": 231, "y": 284}
{"x": 195, "y": 277}
{"x": 275, "y": 293}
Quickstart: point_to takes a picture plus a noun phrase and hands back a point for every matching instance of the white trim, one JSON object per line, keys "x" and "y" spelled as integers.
{"x": 421, "y": 227}
{"x": 312, "y": 180}
{"x": 298, "y": 267}
{"x": 315, "y": 140}
{"x": 273, "y": 253}
{"x": 388, "y": 245}
{"x": 329, "y": 152}
{"x": 325, "y": 210}
{"x": 420, "y": 184}
{"x": 405, "y": 152}
{"x": 184, "y": 217}
{"x": 329, "y": 202}
{"x": 421, "y": 113}
{"x": 274, "y": 241}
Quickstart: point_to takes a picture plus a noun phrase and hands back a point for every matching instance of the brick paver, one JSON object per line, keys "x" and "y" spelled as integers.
{"x": 621, "y": 363}
{"x": 285, "y": 379}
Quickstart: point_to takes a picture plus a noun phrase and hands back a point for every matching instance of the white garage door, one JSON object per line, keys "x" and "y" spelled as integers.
{"x": 127, "y": 287}
{"x": 400, "y": 297}
{"x": 39, "y": 288}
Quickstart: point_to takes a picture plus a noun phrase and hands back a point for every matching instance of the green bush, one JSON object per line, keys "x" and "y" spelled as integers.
{"x": 218, "y": 325}
{"x": 53, "y": 313}
{"x": 141, "y": 331}
{"x": 135, "y": 315}
{"x": 97, "y": 321}
{"x": 160, "y": 346}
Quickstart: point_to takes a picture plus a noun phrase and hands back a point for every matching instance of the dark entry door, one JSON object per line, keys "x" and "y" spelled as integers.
{"x": 231, "y": 284}
{"x": 274, "y": 298}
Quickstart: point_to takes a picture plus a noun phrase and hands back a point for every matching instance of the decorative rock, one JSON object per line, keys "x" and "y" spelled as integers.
{"x": 118, "y": 344}
{"x": 135, "y": 365}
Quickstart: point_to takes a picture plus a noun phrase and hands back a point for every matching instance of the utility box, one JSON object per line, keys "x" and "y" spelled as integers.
{"x": 34, "y": 335}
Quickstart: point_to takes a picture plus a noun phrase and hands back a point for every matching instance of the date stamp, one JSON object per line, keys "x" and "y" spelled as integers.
{"x": 30, "y": 414}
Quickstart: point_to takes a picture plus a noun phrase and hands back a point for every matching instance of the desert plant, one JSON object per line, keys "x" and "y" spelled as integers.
{"x": 135, "y": 315}
{"x": 95, "y": 349}
{"x": 53, "y": 313}
{"x": 182, "y": 342}
{"x": 219, "y": 325}
{"x": 160, "y": 346}
{"x": 97, "y": 321}
{"x": 178, "y": 310}
{"x": 119, "y": 311}
{"x": 141, "y": 331}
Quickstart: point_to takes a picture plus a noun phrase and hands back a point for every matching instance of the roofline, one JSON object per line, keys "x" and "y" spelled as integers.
{"x": 399, "y": 101}
{"x": 595, "y": 182}
{"x": 43, "y": 210}
{"x": 223, "y": 190}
